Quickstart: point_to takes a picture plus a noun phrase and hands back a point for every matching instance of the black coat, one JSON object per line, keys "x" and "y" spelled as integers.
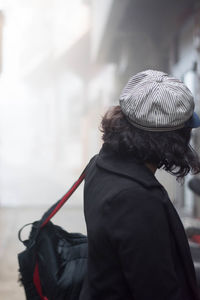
{"x": 137, "y": 244}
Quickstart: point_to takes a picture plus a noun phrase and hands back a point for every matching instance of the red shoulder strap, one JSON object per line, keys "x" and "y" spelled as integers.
{"x": 64, "y": 199}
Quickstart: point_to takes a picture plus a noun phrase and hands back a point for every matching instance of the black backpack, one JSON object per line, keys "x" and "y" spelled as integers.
{"x": 54, "y": 263}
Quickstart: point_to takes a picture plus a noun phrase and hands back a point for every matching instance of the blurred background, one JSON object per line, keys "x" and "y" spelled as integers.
{"x": 62, "y": 64}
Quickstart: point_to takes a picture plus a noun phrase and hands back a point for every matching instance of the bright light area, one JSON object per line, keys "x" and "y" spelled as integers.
{"x": 36, "y": 89}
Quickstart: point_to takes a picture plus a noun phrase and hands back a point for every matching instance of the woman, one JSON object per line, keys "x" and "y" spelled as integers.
{"x": 137, "y": 245}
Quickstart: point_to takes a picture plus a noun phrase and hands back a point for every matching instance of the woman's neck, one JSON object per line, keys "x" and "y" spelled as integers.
{"x": 151, "y": 167}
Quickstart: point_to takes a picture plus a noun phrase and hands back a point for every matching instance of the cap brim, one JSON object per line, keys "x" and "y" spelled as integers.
{"x": 193, "y": 122}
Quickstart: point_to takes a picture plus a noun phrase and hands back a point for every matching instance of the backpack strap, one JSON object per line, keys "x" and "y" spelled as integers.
{"x": 57, "y": 206}
{"x": 51, "y": 211}
{"x": 54, "y": 208}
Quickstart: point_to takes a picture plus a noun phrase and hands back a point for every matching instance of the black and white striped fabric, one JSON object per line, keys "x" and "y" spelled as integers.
{"x": 154, "y": 101}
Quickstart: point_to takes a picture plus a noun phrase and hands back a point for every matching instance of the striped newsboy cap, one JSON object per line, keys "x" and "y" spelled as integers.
{"x": 154, "y": 101}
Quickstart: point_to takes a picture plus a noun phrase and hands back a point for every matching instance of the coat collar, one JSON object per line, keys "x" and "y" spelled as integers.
{"x": 128, "y": 167}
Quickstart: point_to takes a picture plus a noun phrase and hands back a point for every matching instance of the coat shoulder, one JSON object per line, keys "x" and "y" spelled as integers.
{"x": 135, "y": 195}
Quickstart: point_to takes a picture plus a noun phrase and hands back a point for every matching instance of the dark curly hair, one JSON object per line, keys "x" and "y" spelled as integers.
{"x": 169, "y": 150}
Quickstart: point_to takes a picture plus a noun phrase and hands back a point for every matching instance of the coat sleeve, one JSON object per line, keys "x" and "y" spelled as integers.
{"x": 140, "y": 235}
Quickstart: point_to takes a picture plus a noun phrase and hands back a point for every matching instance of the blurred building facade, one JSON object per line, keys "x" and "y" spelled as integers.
{"x": 58, "y": 81}
{"x": 137, "y": 35}
{"x": 184, "y": 62}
